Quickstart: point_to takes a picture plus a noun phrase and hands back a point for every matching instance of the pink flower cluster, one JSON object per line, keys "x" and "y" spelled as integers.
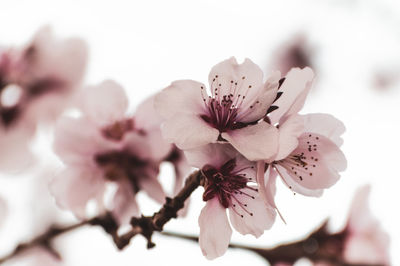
{"x": 37, "y": 82}
{"x": 242, "y": 132}
{"x": 106, "y": 145}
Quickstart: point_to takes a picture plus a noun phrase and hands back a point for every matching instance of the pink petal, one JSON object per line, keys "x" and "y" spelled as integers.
{"x": 215, "y": 231}
{"x": 323, "y": 160}
{"x": 295, "y": 89}
{"x": 146, "y": 117}
{"x": 159, "y": 148}
{"x": 289, "y": 132}
{"x": 73, "y": 188}
{"x": 257, "y": 217}
{"x": 182, "y": 170}
{"x": 366, "y": 235}
{"x": 266, "y": 182}
{"x": 49, "y": 52}
{"x": 152, "y": 188}
{"x": 188, "y": 131}
{"x": 77, "y": 146}
{"x": 229, "y": 70}
{"x": 255, "y": 142}
{"x": 39, "y": 256}
{"x": 262, "y": 101}
{"x": 125, "y": 206}
{"x": 325, "y": 125}
{"x": 182, "y": 96}
{"x": 105, "y": 103}
{"x": 359, "y": 215}
{"x": 213, "y": 154}
{"x": 363, "y": 250}
{"x": 295, "y": 186}
{"x": 18, "y": 156}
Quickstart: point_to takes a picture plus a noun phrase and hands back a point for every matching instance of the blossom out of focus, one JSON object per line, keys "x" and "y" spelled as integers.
{"x": 365, "y": 241}
{"x": 35, "y": 87}
{"x": 110, "y": 147}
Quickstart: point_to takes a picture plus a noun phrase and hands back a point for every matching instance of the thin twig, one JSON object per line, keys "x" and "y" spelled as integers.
{"x": 144, "y": 225}
{"x": 312, "y": 247}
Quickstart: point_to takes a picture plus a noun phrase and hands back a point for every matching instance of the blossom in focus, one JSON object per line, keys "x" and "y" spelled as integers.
{"x": 105, "y": 145}
{"x": 229, "y": 184}
{"x": 309, "y": 158}
{"x": 37, "y": 82}
{"x": 231, "y": 111}
{"x": 365, "y": 240}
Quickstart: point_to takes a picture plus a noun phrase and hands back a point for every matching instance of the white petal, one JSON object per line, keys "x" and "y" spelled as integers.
{"x": 255, "y": 142}
{"x": 215, "y": 231}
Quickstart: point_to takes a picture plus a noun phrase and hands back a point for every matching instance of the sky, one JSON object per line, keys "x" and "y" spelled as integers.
{"x": 145, "y": 45}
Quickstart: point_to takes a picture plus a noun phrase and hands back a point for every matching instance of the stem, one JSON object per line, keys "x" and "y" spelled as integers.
{"x": 147, "y": 225}
{"x": 319, "y": 246}
{"x": 144, "y": 225}
{"x": 45, "y": 238}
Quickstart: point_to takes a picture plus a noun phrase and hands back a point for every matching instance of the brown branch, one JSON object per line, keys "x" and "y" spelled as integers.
{"x": 319, "y": 246}
{"x": 147, "y": 225}
{"x": 44, "y": 239}
{"x": 144, "y": 225}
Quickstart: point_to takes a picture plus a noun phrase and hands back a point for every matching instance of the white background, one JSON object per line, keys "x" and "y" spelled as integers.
{"x": 144, "y": 45}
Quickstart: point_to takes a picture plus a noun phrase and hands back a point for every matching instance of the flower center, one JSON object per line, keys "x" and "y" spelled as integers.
{"x": 117, "y": 130}
{"x": 123, "y": 164}
{"x": 225, "y": 183}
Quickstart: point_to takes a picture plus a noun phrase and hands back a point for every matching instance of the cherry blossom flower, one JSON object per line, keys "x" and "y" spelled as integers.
{"x": 229, "y": 184}
{"x": 37, "y": 82}
{"x": 365, "y": 240}
{"x": 106, "y": 145}
{"x": 308, "y": 157}
{"x": 232, "y": 111}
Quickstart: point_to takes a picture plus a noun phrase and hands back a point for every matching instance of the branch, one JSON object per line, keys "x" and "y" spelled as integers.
{"x": 147, "y": 225}
{"x": 44, "y": 240}
{"x": 144, "y": 225}
{"x": 319, "y": 246}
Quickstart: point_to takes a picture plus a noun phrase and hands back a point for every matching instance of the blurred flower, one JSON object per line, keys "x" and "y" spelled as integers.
{"x": 106, "y": 145}
{"x": 229, "y": 184}
{"x": 239, "y": 100}
{"x": 308, "y": 158}
{"x": 294, "y": 53}
{"x": 365, "y": 240}
{"x": 37, "y": 82}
